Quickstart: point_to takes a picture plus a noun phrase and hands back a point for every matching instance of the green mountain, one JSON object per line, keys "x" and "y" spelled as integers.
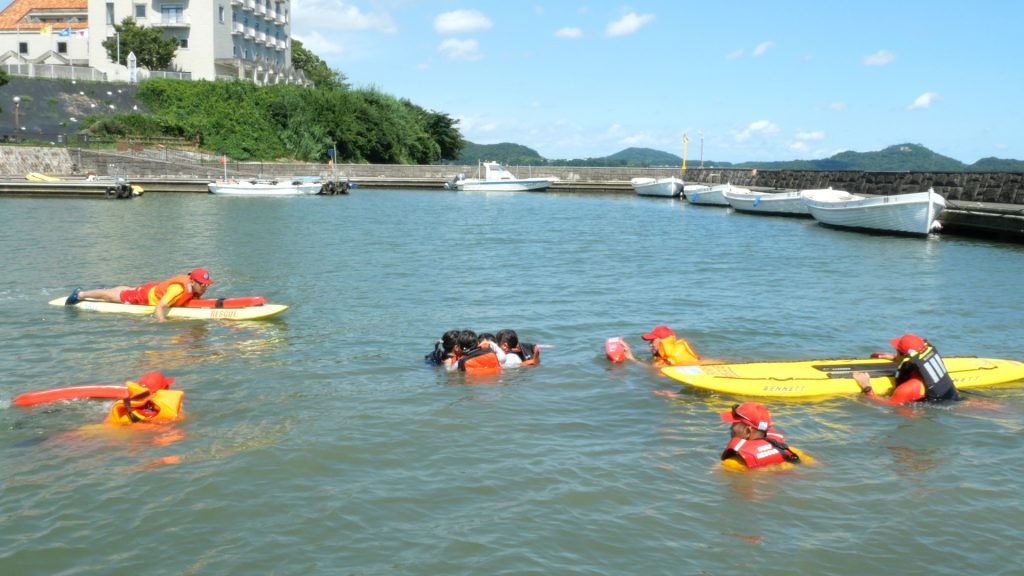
{"x": 643, "y": 157}
{"x": 505, "y": 153}
{"x": 901, "y": 157}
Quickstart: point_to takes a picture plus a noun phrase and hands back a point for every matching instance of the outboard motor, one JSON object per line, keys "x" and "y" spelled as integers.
{"x": 453, "y": 184}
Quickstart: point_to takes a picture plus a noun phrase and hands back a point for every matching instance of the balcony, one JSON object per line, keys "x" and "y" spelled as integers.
{"x": 280, "y": 45}
{"x": 236, "y": 2}
{"x": 250, "y": 32}
{"x": 250, "y": 5}
{"x": 261, "y": 37}
{"x": 237, "y": 28}
{"x": 261, "y": 10}
{"x": 173, "y": 21}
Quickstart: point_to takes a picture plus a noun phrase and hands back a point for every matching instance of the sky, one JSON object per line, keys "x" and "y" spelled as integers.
{"x": 743, "y": 80}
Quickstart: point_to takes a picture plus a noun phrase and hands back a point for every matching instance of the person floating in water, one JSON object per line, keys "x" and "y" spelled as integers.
{"x": 920, "y": 375}
{"x": 667, "y": 349}
{"x": 176, "y": 291}
{"x": 753, "y": 442}
{"x": 148, "y": 400}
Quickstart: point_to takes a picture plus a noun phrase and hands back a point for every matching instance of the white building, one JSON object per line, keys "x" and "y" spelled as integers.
{"x": 217, "y": 39}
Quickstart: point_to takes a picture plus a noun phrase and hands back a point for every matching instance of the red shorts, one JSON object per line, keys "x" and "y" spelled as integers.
{"x": 137, "y": 295}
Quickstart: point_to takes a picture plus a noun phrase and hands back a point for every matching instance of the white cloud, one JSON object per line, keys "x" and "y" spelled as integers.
{"x": 759, "y": 128}
{"x": 475, "y": 125}
{"x": 569, "y": 33}
{"x": 461, "y": 22}
{"x": 344, "y": 17}
{"x": 455, "y": 49}
{"x": 805, "y": 135}
{"x": 798, "y": 147}
{"x": 838, "y": 106}
{"x": 319, "y": 45}
{"x": 628, "y": 24}
{"x": 734, "y": 54}
{"x": 762, "y": 48}
{"x": 923, "y": 101}
{"x": 880, "y": 58}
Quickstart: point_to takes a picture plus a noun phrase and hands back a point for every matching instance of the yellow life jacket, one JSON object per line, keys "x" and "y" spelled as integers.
{"x": 165, "y": 406}
{"x": 677, "y": 352}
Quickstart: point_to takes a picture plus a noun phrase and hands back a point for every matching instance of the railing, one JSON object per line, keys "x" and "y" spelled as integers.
{"x": 237, "y": 28}
{"x": 170, "y": 75}
{"x": 55, "y": 71}
{"x": 173, "y": 22}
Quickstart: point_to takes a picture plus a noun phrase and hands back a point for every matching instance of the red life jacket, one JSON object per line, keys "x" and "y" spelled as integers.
{"x": 759, "y": 452}
{"x": 480, "y": 361}
{"x": 158, "y": 291}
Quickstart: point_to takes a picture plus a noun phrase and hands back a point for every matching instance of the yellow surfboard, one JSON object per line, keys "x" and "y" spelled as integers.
{"x": 807, "y": 378}
{"x": 246, "y": 313}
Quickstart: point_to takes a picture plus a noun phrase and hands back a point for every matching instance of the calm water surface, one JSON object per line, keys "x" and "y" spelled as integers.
{"x": 318, "y": 442}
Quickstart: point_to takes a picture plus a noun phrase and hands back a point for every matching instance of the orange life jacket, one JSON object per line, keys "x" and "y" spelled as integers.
{"x": 163, "y": 406}
{"x": 677, "y": 352}
{"x": 157, "y": 292}
{"x": 480, "y": 361}
{"x": 760, "y": 452}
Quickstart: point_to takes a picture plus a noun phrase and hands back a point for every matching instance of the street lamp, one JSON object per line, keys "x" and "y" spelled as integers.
{"x": 17, "y": 122}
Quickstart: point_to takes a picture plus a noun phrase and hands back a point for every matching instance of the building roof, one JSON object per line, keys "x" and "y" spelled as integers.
{"x": 11, "y": 17}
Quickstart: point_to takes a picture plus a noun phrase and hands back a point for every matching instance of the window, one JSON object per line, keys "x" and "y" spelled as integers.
{"x": 110, "y": 13}
{"x": 22, "y": 47}
{"x": 220, "y": 14}
{"x": 183, "y": 42}
{"x": 62, "y": 47}
{"x": 140, "y": 11}
{"x": 172, "y": 14}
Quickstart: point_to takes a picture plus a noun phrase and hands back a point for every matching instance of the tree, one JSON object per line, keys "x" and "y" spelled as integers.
{"x": 152, "y": 50}
{"x": 315, "y": 69}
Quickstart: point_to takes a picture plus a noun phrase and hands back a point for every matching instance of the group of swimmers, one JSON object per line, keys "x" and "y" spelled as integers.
{"x": 484, "y": 353}
{"x": 920, "y": 376}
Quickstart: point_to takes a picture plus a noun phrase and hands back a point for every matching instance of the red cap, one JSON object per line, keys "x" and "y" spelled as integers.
{"x": 659, "y": 332}
{"x": 908, "y": 342}
{"x": 750, "y": 413}
{"x": 155, "y": 381}
{"x": 201, "y": 275}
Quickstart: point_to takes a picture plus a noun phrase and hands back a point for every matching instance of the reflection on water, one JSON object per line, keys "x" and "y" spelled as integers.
{"x": 193, "y": 345}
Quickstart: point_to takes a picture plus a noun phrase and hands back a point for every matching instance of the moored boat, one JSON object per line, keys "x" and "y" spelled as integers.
{"x": 913, "y": 213}
{"x": 497, "y": 178}
{"x": 664, "y": 187}
{"x": 709, "y": 195}
{"x": 298, "y": 186}
{"x": 759, "y": 202}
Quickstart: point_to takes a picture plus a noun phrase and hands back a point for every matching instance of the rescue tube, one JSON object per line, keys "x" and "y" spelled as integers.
{"x": 109, "y": 391}
{"x": 615, "y": 349}
{"x": 735, "y": 463}
{"x": 240, "y": 302}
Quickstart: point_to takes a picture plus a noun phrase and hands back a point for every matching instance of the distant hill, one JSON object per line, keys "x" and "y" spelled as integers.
{"x": 505, "y": 153}
{"x": 643, "y": 157}
{"x": 901, "y": 157}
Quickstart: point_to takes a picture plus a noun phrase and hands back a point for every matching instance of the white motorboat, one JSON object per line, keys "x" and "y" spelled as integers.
{"x": 913, "y": 213}
{"x": 300, "y": 186}
{"x": 663, "y": 187}
{"x": 776, "y": 203}
{"x": 497, "y": 178}
{"x": 710, "y": 195}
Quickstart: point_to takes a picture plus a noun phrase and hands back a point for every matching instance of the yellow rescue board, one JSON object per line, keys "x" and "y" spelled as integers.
{"x": 806, "y": 378}
{"x": 247, "y": 313}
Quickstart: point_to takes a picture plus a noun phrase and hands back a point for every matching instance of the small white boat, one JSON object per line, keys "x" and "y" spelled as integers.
{"x": 710, "y": 195}
{"x": 913, "y": 213}
{"x": 663, "y": 187}
{"x": 776, "y": 203}
{"x": 497, "y": 178}
{"x": 299, "y": 186}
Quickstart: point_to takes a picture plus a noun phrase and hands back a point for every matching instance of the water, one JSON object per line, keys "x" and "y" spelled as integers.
{"x": 318, "y": 443}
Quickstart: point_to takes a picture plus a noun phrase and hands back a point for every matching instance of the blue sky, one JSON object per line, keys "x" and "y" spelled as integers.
{"x": 765, "y": 81}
